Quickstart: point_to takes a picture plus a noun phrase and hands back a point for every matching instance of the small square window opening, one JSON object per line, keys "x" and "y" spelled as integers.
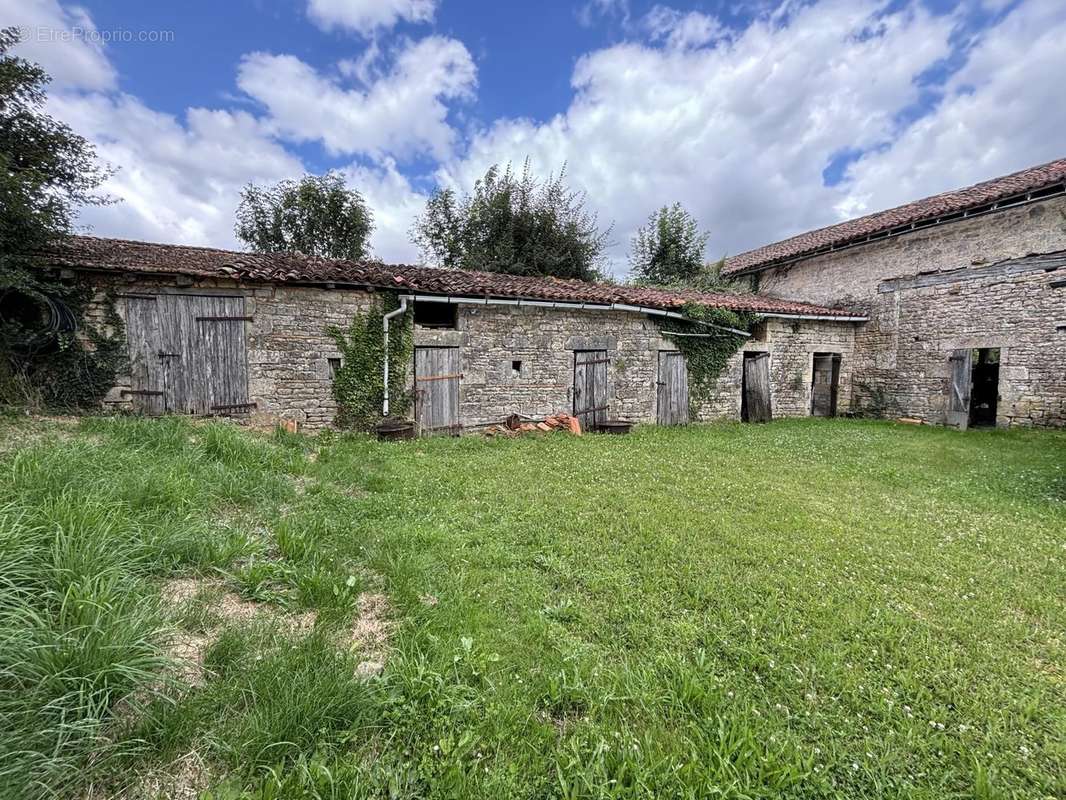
{"x": 516, "y": 369}
{"x": 436, "y": 315}
{"x": 334, "y": 366}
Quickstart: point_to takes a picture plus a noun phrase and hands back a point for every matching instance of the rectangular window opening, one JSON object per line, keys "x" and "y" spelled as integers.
{"x": 334, "y": 367}
{"x": 436, "y": 315}
{"x": 516, "y": 369}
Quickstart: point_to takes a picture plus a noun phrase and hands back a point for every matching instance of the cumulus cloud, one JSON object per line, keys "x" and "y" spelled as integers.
{"x": 738, "y": 131}
{"x": 682, "y": 30}
{"x": 395, "y": 203}
{"x": 178, "y": 181}
{"x": 367, "y": 16}
{"x": 403, "y": 113}
{"x": 61, "y": 40}
{"x": 1003, "y": 111}
{"x": 736, "y": 124}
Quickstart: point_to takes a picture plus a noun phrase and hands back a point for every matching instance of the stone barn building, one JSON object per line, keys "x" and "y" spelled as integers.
{"x": 219, "y": 332}
{"x": 948, "y": 310}
{"x": 965, "y": 294}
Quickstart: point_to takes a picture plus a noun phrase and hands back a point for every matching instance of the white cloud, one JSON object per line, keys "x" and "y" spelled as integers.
{"x": 176, "y": 182}
{"x": 682, "y": 30}
{"x": 366, "y": 16}
{"x": 736, "y": 124}
{"x": 739, "y": 132}
{"x": 590, "y": 12}
{"x": 402, "y": 113}
{"x": 61, "y": 40}
{"x": 1003, "y": 111}
{"x": 395, "y": 204}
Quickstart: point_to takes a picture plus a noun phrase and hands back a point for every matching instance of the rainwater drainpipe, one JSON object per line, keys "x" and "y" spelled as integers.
{"x": 385, "y": 329}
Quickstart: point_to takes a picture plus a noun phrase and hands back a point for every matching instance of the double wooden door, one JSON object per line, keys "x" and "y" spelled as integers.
{"x": 188, "y": 353}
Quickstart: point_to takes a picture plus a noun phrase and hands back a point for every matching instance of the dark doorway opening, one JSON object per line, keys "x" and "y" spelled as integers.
{"x": 825, "y": 384}
{"x": 984, "y": 394}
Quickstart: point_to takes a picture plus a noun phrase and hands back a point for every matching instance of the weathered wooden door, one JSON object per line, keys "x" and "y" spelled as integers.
{"x": 188, "y": 353}
{"x": 590, "y": 387}
{"x": 755, "y": 400}
{"x": 825, "y": 384}
{"x": 958, "y": 405}
{"x": 672, "y": 388}
{"x": 437, "y": 390}
{"x": 147, "y": 389}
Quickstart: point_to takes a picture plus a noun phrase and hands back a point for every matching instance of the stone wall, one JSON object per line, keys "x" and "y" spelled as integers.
{"x": 792, "y": 345}
{"x": 288, "y": 349}
{"x": 936, "y": 290}
{"x": 851, "y": 277}
{"x": 289, "y": 353}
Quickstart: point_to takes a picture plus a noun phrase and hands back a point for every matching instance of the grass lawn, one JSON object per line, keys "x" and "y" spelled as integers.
{"x": 802, "y": 609}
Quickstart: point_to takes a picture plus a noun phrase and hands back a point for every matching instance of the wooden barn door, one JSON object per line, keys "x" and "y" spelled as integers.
{"x": 147, "y": 390}
{"x": 590, "y": 388}
{"x": 216, "y": 343}
{"x": 755, "y": 400}
{"x": 958, "y": 407}
{"x": 825, "y": 384}
{"x": 437, "y": 390}
{"x": 672, "y": 388}
{"x": 187, "y": 354}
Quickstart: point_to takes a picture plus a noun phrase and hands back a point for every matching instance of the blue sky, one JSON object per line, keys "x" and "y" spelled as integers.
{"x": 764, "y": 118}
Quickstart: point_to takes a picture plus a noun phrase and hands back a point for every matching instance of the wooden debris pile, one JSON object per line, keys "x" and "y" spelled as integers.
{"x": 517, "y": 425}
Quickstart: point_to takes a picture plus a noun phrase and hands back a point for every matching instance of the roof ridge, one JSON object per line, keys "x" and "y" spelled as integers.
{"x": 131, "y": 256}
{"x": 948, "y": 203}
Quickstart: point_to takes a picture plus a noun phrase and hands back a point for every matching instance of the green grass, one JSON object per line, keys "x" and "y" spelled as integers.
{"x": 802, "y": 609}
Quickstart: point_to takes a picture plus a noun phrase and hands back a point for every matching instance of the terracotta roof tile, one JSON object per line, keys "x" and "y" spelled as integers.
{"x": 971, "y": 198}
{"x": 121, "y": 255}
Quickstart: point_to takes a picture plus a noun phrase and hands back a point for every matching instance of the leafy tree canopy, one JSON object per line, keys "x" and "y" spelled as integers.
{"x": 317, "y": 215}
{"x": 513, "y": 223}
{"x": 668, "y": 248}
{"x": 46, "y": 170}
{"x": 48, "y": 357}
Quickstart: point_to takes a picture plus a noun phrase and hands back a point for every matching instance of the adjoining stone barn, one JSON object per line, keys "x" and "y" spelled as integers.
{"x": 948, "y": 310}
{"x": 219, "y": 332}
{"x": 965, "y": 294}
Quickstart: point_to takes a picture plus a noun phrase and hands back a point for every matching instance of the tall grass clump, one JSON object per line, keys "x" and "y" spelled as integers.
{"x": 88, "y": 526}
{"x": 80, "y": 632}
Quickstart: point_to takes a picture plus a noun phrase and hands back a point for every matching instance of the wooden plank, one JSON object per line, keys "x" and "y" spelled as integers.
{"x": 672, "y": 389}
{"x": 756, "y": 405}
{"x": 437, "y": 402}
{"x": 959, "y": 381}
{"x": 225, "y": 319}
{"x": 1004, "y": 269}
{"x": 454, "y": 377}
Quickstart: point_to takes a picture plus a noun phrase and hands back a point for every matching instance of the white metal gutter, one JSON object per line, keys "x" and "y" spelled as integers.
{"x": 385, "y": 329}
{"x": 491, "y": 301}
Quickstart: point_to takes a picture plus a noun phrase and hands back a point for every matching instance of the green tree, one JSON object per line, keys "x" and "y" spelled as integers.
{"x": 668, "y": 249}
{"x": 46, "y": 172}
{"x": 317, "y": 215}
{"x": 515, "y": 224}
